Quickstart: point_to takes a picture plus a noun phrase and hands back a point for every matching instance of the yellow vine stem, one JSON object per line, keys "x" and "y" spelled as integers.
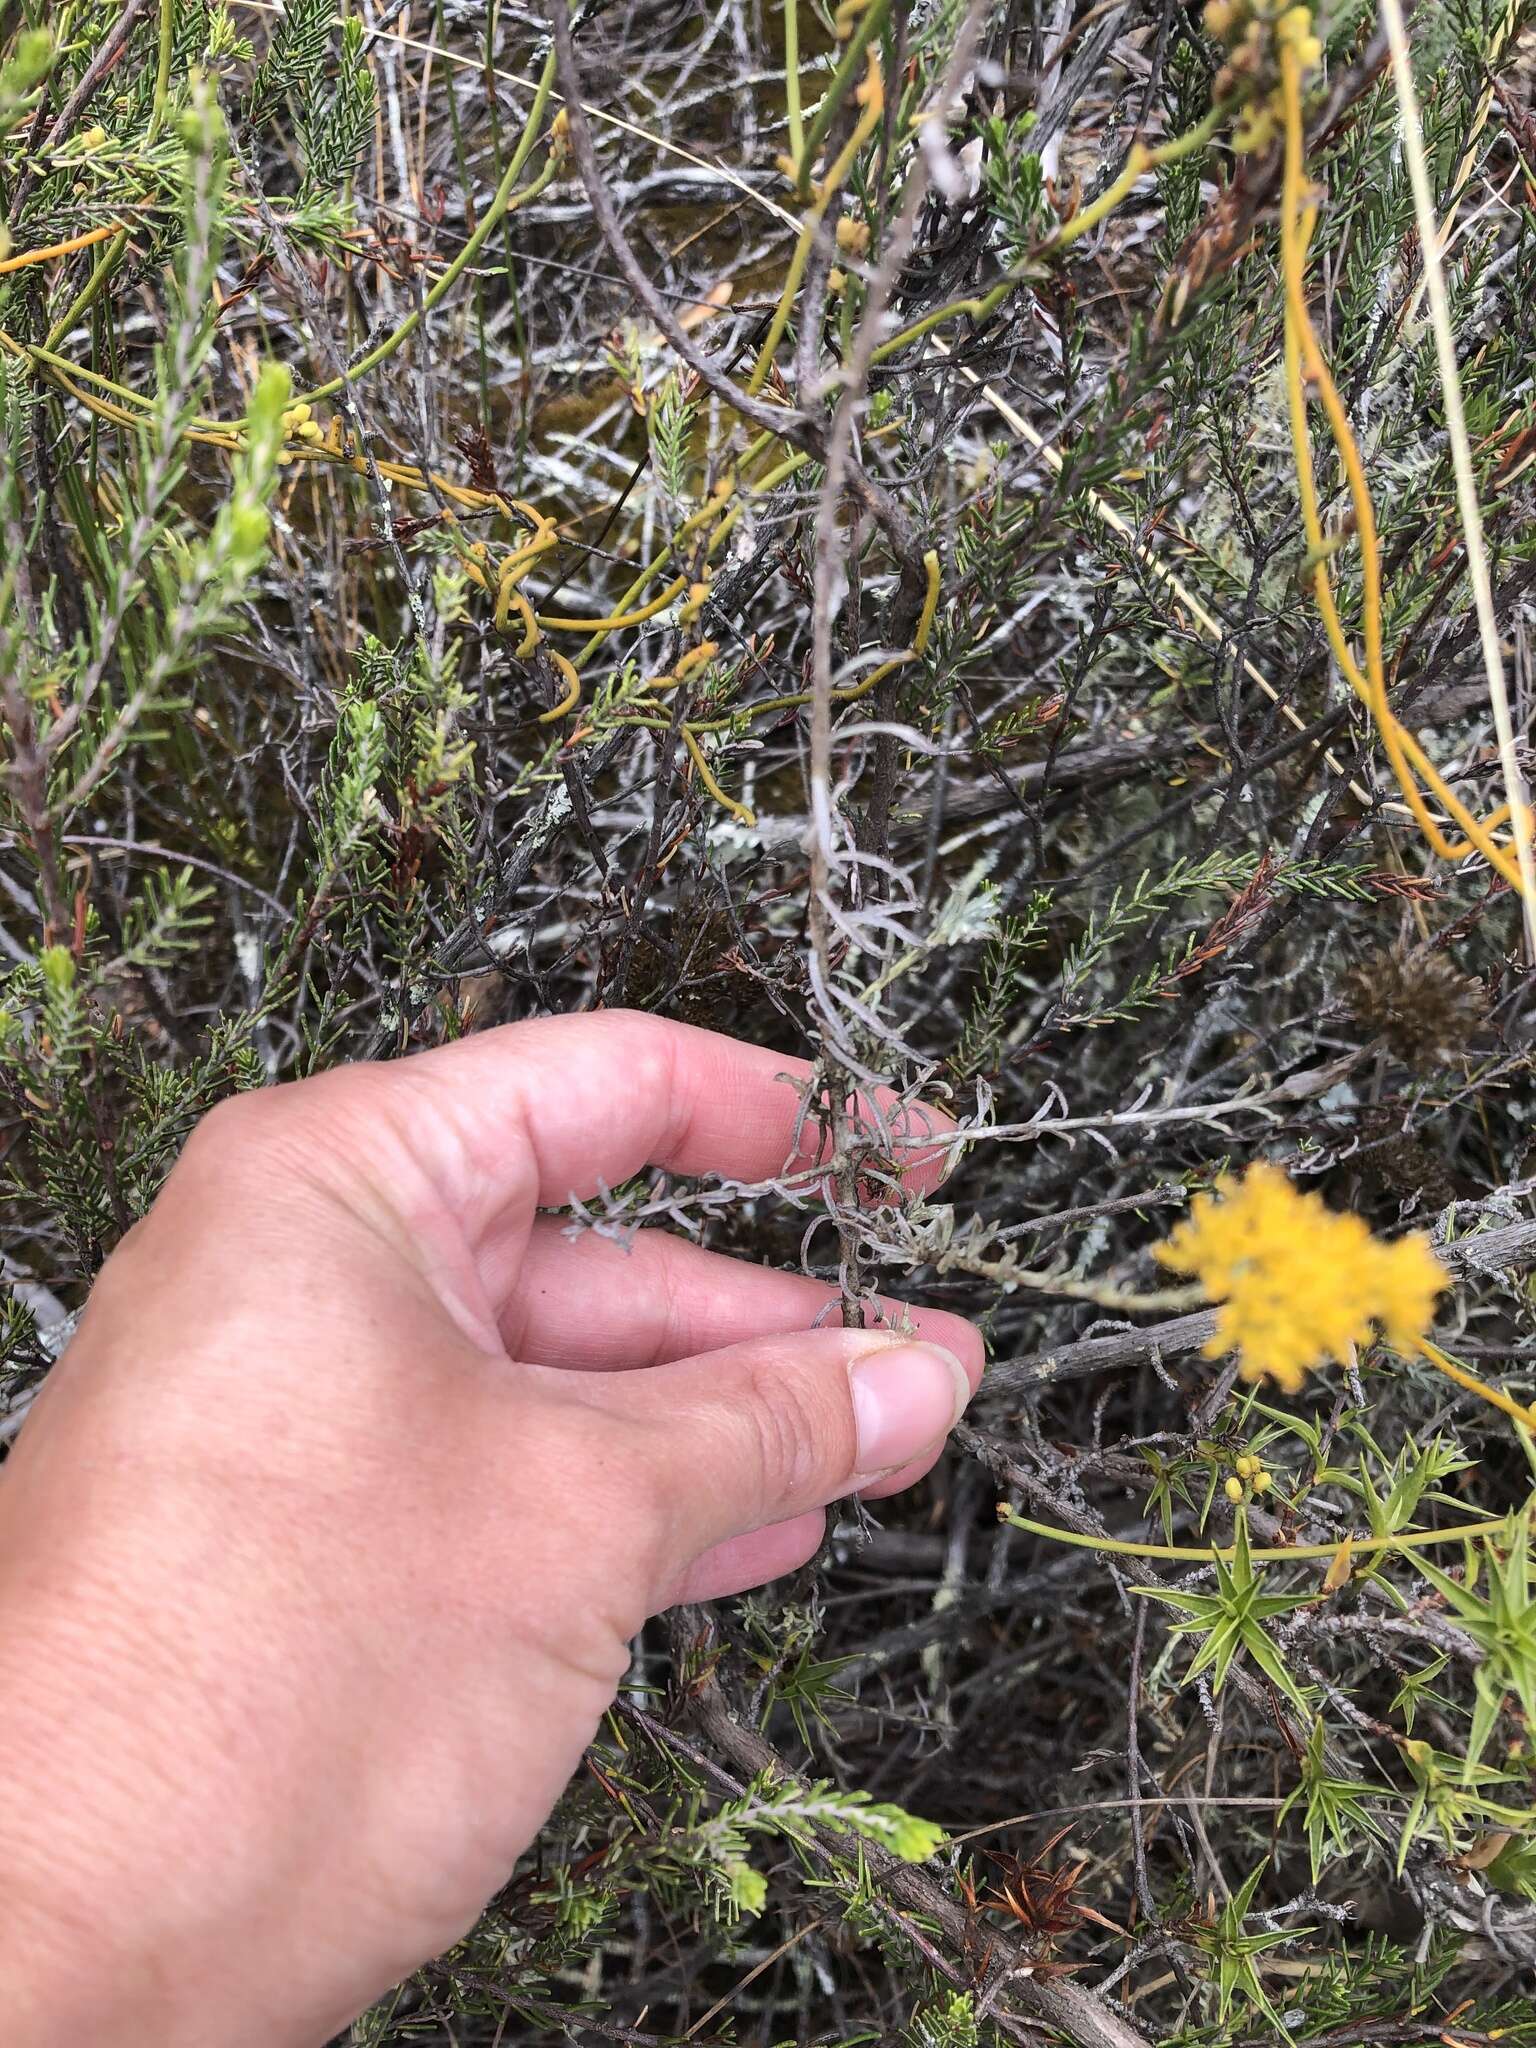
{"x": 510, "y": 599}
{"x": 68, "y": 248}
{"x": 1461, "y": 455}
{"x": 1520, "y": 1411}
{"x": 718, "y": 503}
{"x": 794, "y": 125}
{"x": 871, "y": 96}
{"x": 706, "y": 776}
{"x": 860, "y": 24}
{"x": 618, "y": 620}
{"x": 572, "y": 695}
{"x": 682, "y": 669}
{"x": 1140, "y": 160}
{"x": 852, "y": 691}
{"x": 1305, "y": 365}
{"x": 1182, "y": 1553}
{"x": 127, "y": 409}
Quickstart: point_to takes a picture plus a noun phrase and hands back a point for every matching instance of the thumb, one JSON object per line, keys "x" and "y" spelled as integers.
{"x": 781, "y": 1425}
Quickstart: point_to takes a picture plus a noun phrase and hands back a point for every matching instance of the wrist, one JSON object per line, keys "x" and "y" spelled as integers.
{"x": 108, "y": 1935}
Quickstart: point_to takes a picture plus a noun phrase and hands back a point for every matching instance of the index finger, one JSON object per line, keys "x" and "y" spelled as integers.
{"x": 588, "y": 1101}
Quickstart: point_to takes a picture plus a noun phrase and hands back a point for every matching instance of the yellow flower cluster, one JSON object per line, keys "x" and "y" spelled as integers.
{"x": 1298, "y": 1282}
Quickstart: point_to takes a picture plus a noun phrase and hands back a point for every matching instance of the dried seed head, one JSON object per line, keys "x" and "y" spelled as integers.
{"x": 1426, "y": 1011}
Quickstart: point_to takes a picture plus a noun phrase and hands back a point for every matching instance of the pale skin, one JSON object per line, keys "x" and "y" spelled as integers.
{"x": 322, "y": 1548}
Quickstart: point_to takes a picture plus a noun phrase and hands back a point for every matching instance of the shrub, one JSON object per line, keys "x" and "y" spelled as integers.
{"x": 965, "y": 541}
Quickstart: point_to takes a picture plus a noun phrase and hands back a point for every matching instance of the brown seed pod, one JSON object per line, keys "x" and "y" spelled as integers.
{"x": 1425, "y": 1010}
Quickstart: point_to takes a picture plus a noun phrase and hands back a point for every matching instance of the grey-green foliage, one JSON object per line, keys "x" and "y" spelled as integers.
{"x": 21, "y": 78}
{"x": 334, "y": 134}
{"x": 104, "y": 1122}
{"x": 315, "y": 65}
{"x": 670, "y": 422}
{"x": 1014, "y": 185}
{"x": 389, "y": 851}
{"x": 100, "y": 1122}
{"x": 295, "y": 63}
{"x": 949, "y": 2020}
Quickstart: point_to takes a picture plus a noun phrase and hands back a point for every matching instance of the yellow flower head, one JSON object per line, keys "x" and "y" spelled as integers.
{"x": 1294, "y": 29}
{"x": 1299, "y": 1283}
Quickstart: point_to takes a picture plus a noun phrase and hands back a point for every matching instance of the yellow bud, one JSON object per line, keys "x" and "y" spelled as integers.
{"x": 696, "y": 657}
{"x": 1246, "y": 1467}
{"x": 1256, "y": 130}
{"x": 1234, "y": 1490}
{"x": 93, "y": 138}
{"x": 1263, "y": 1481}
{"x": 852, "y": 236}
{"x": 835, "y": 282}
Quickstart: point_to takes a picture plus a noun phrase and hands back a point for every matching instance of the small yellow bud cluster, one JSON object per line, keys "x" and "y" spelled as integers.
{"x": 299, "y": 424}
{"x": 1294, "y": 31}
{"x": 1249, "y": 1473}
{"x": 1254, "y": 37}
{"x": 853, "y": 236}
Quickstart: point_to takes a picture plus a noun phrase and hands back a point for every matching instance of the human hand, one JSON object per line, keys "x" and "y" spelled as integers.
{"x": 311, "y": 1596}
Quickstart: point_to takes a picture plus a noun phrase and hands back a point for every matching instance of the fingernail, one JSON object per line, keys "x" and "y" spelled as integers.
{"x": 905, "y": 1400}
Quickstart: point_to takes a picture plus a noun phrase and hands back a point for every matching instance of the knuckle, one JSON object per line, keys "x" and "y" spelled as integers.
{"x": 268, "y": 1127}
{"x": 237, "y": 1125}
{"x": 793, "y": 1429}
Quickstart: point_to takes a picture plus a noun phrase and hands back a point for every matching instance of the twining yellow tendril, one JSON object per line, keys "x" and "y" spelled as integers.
{"x": 851, "y": 691}
{"x": 572, "y": 695}
{"x": 706, "y": 776}
{"x": 871, "y": 99}
{"x": 1305, "y": 365}
{"x": 60, "y": 248}
{"x": 512, "y": 600}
